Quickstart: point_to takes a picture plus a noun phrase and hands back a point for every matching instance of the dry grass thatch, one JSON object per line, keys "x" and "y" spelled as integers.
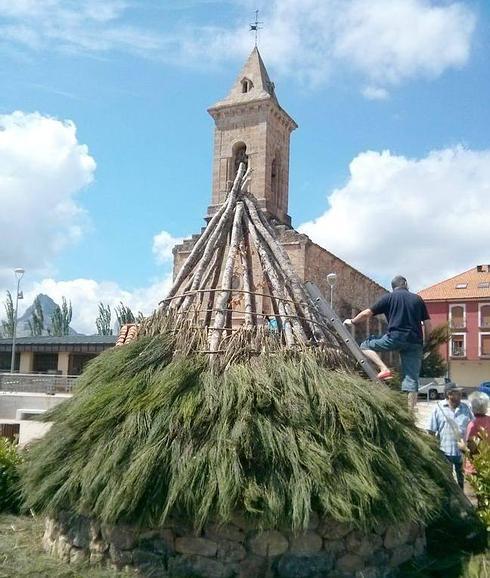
{"x": 154, "y": 431}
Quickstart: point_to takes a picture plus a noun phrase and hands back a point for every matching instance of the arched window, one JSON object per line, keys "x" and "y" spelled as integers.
{"x": 239, "y": 156}
{"x": 485, "y": 316}
{"x": 247, "y": 85}
{"x": 457, "y": 316}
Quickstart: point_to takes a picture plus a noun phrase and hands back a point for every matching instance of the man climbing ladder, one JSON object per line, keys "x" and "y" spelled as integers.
{"x": 408, "y": 325}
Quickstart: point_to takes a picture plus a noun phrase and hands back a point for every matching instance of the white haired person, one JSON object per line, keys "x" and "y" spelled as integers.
{"x": 478, "y": 428}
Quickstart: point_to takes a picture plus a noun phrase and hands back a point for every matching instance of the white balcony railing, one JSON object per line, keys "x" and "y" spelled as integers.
{"x": 36, "y": 383}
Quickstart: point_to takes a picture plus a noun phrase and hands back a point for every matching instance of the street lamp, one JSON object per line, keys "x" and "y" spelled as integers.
{"x": 19, "y": 273}
{"x": 331, "y": 280}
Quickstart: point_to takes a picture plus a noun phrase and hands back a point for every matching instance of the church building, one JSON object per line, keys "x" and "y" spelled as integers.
{"x": 251, "y": 127}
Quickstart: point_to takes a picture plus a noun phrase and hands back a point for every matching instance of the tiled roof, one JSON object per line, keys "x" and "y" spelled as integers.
{"x": 127, "y": 333}
{"x": 472, "y": 284}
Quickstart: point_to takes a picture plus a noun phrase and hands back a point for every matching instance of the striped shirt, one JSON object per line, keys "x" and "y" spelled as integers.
{"x": 446, "y": 423}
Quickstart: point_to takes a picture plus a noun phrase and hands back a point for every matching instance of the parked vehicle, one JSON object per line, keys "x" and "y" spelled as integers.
{"x": 484, "y": 387}
{"x": 433, "y": 387}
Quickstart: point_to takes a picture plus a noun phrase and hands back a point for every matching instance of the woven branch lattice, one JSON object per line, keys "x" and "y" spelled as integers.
{"x": 237, "y": 262}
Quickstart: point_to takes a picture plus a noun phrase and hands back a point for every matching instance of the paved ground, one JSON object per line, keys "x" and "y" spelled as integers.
{"x": 423, "y": 412}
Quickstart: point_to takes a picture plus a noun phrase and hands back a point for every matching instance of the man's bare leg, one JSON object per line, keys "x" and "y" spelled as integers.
{"x": 375, "y": 358}
{"x": 412, "y": 401}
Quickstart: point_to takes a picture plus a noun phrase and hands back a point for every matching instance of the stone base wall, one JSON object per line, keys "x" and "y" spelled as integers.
{"x": 237, "y": 550}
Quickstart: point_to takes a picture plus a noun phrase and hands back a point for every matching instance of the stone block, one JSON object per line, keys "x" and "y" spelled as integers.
{"x": 251, "y": 567}
{"x": 197, "y": 567}
{"x": 229, "y": 551}
{"x": 62, "y": 548}
{"x": 349, "y": 563}
{"x": 51, "y": 528}
{"x": 79, "y": 532}
{"x": 97, "y": 558}
{"x": 151, "y": 563}
{"x": 307, "y": 543}
{"x": 400, "y": 555}
{"x": 123, "y": 537}
{"x": 363, "y": 544}
{"x": 158, "y": 542}
{"x": 120, "y": 557}
{"x": 268, "y": 543}
{"x": 94, "y": 532}
{"x": 334, "y": 547}
{"x": 78, "y": 556}
{"x": 98, "y": 546}
{"x": 304, "y": 566}
{"x": 229, "y": 532}
{"x": 196, "y": 546}
{"x": 396, "y": 536}
{"x": 334, "y": 530}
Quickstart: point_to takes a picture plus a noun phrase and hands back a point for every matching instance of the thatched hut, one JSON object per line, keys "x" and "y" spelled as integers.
{"x": 213, "y": 444}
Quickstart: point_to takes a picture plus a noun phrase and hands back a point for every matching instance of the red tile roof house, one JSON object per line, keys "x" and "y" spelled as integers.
{"x": 463, "y": 301}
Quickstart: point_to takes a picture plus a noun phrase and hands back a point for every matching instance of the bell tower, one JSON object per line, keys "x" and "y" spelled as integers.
{"x": 251, "y": 126}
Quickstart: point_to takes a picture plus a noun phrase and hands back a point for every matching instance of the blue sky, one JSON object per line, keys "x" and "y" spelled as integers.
{"x": 119, "y": 90}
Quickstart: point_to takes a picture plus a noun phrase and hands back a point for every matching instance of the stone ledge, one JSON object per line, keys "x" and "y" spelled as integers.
{"x": 237, "y": 550}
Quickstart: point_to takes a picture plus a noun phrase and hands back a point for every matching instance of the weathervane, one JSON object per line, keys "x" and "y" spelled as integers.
{"x": 255, "y": 27}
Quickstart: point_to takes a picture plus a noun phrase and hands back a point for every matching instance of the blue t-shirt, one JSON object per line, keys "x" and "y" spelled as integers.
{"x": 404, "y": 312}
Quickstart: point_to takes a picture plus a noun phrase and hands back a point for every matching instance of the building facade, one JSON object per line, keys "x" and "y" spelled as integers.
{"x": 66, "y": 355}
{"x": 251, "y": 127}
{"x": 463, "y": 302}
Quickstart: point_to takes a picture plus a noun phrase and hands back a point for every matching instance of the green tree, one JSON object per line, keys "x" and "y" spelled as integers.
{"x": 36, "y": 325}
{"x": 8, "y": 324}
{"x": 433, "y": 364}
{"x": 124, "y": 315}
{"x": 103, "y": 321}
{"x": 61, "y": 319}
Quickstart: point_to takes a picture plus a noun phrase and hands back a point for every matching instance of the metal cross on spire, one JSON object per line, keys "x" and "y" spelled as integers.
{"x": 255, "y": 27}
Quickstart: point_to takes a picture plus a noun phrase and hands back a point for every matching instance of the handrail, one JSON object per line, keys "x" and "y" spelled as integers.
{"x": 36, "y": 383}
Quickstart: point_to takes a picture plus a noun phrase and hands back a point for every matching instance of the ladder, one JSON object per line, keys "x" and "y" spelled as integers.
{"x": 323, "y": 307}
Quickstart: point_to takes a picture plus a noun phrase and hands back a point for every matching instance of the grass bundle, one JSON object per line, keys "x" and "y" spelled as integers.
{"x": 153, "y": 433}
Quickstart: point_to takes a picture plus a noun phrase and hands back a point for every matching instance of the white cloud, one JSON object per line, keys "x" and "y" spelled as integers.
{"x": 385, "y": 41}
{"x": 375, "y": 93}
{"x": 163, "y": 243}
{"x": 426, "y": 218}
{"x": 42, "y": 169}
{"x": 392, "y": 40}
{"x": 87, "y": 25}
{"x": 86, "y": 294}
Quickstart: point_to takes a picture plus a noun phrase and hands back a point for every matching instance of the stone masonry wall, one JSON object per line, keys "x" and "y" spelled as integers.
{"x": 328, "y": 549}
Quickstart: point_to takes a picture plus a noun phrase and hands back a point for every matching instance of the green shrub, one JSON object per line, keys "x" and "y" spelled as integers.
{"x": 9, "y": 476}
{"x": 481, "y": 480}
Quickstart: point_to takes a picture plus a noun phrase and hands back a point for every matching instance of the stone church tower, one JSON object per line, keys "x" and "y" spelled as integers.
{"x": 251, "y": 126}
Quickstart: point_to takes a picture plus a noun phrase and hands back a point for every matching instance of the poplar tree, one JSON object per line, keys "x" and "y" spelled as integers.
{"x": 8, "y": 324}
{"x": 103, "y": 321}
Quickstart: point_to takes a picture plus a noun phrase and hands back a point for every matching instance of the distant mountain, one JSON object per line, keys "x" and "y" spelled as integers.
{"x": 48, "y": 306}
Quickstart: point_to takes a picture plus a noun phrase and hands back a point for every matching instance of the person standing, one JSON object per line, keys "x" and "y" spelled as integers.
{"x": 409, "y": 326}
{"x": 478, "y": 428}
{"x": 449, "y": 422}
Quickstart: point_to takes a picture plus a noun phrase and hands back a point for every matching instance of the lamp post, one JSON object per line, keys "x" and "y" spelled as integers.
{"x": 331, "y": 280}
{"x": 19, "y": 273}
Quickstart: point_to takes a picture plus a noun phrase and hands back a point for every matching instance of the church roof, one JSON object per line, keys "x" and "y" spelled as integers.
{"x": 260, "y": 86}
{"x": 252, "y": 85}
